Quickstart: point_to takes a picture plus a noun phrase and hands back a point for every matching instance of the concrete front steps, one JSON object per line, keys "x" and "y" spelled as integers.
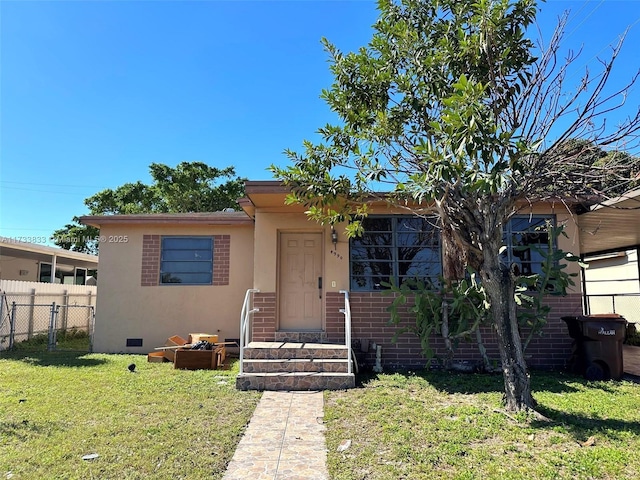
{"x": 295, "y": 366}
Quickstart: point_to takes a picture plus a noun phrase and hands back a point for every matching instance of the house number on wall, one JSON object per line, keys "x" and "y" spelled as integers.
{"x": 336, "y": 254}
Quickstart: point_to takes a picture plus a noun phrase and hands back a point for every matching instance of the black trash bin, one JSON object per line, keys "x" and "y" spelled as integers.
{"x": 597, "y": 345}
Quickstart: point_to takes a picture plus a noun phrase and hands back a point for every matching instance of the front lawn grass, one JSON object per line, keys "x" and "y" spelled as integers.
{"x": 159, "y": 422}
{"x": 436, "y": 425}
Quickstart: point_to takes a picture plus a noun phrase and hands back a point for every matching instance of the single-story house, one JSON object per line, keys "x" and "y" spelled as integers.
{"x": 30, "y": 262}
{"x": 167, "y": 274}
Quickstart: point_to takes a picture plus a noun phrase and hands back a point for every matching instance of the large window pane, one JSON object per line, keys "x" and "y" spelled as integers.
{"x": 527, "y": 240}
{"x": 187, "y": 278}
{"x": 377, "y": 224}
{"x": 187, "y": 260}
{"x": 187, "y": 243}
{"x": 372, "y": 239}
{"x": 369, "y": 283}
{"x": 189, "y": 255}
{"x": 371, "y": 253}
{"x": 191, "y": 267}
{"x": 393, "y": 249}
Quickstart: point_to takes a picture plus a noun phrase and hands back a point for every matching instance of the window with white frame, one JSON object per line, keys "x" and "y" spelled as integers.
{"x": 186, "y": 260}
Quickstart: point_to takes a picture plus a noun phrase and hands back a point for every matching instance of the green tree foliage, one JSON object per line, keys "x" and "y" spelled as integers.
{"x": 456, "y": 309}
{"x": 188, "y": 187}
{"x": 452, "y": 107}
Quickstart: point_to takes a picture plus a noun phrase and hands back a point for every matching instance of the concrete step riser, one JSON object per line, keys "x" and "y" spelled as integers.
{"x": 308, "y": 337}
{"x": 297, "y": 353}
{"x": 299, "y": 383}
{"x": 273, "y": 366}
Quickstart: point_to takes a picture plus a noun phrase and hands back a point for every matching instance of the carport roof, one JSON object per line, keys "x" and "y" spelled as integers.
{"x": 43, "y": 253}
{"x": 610, "y": 226}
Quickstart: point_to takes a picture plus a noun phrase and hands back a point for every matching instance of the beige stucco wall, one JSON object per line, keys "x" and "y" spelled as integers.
{"x": 10, "y": 269}
{"x": 268, "y": 226}
{"x": 127, "y": 310}
{"x": 269, "y": 222}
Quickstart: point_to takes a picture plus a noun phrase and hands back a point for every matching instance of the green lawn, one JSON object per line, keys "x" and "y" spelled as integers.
{"x": 448, "y": 426}
{"x": 156, "y": 423}
{"x": 161, "y": 423}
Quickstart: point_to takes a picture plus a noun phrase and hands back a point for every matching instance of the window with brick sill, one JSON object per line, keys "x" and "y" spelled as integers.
{"x": 186, "y": 260}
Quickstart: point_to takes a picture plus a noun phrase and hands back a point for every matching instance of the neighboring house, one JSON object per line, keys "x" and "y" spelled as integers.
{"x": 168, "y": 274}
{"x": 31, "y": 297}
{"x": 614, "y": 273}
{"x": 30, "y": 262}
{"x": 610, "y": 237}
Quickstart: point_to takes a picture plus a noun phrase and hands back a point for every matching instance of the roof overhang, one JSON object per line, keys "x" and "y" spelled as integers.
{"x": 43, "y": 253}
{"x": 270, "y": 196}
{"x": 266, "y": 195}
{"x": 203, "y": 219}
{"x": 611, "y": 226}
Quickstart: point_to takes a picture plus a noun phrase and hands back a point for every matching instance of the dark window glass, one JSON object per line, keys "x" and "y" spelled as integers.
{"x": 527, "y": 240}
{"x": 45, "y": 272}
{"x": 81, "y": 276}
{"x": 187, "y": 260}
{"x": 393, "y": 250}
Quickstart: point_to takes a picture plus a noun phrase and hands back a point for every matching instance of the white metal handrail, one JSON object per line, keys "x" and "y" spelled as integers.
{"x": 245, "y": 317}
{"x": 347, "y": 326}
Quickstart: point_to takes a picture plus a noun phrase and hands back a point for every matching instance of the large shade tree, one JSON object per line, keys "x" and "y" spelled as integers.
{"x": 452, "y": 106}
{"x": 187, "y": 187}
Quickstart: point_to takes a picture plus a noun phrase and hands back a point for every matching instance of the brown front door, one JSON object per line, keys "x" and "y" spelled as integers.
{"x": 300, "y": 285}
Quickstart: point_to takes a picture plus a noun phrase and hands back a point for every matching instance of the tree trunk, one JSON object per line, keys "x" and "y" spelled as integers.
{"x": 499, "y": 286}
{"x": 448, "y": 359}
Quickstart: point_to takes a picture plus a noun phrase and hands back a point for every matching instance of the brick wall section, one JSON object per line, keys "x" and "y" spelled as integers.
{"x": 334, "y": 320}
{"x": 553, "y": 347}
{"x": 221, "y": 251}
{"x": 150, "y": 271}
{"x": 264, "y": 320}
{"x": 370, "y": 317}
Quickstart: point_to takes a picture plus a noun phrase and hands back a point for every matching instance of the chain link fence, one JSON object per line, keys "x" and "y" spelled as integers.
{"x": 45, "y": 326}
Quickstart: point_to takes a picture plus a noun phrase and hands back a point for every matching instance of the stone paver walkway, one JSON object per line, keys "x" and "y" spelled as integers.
{"x": 284, "y": 440}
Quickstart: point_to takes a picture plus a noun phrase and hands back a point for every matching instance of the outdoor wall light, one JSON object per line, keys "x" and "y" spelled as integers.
{"x": 334, "y": 237}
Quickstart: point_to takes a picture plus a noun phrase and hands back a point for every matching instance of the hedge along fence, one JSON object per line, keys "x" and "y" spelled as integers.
{"x": 31, "y": 304}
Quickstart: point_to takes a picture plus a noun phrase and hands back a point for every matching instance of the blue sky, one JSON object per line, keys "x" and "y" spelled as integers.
{"x": 92, "y": 92}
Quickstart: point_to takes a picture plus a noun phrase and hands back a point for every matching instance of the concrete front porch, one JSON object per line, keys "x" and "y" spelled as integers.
{"x": 295, "y": 366}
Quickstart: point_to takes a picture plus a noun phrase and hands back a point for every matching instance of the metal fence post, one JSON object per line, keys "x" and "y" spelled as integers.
{"x": 92, "y": 324}
{"x": 90, "y": 316}
{"x": 12, "y": 325}
{"x": 65, "y": 310}
{"x": 31, "y": 313}
{"x": 52, "y": 328}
